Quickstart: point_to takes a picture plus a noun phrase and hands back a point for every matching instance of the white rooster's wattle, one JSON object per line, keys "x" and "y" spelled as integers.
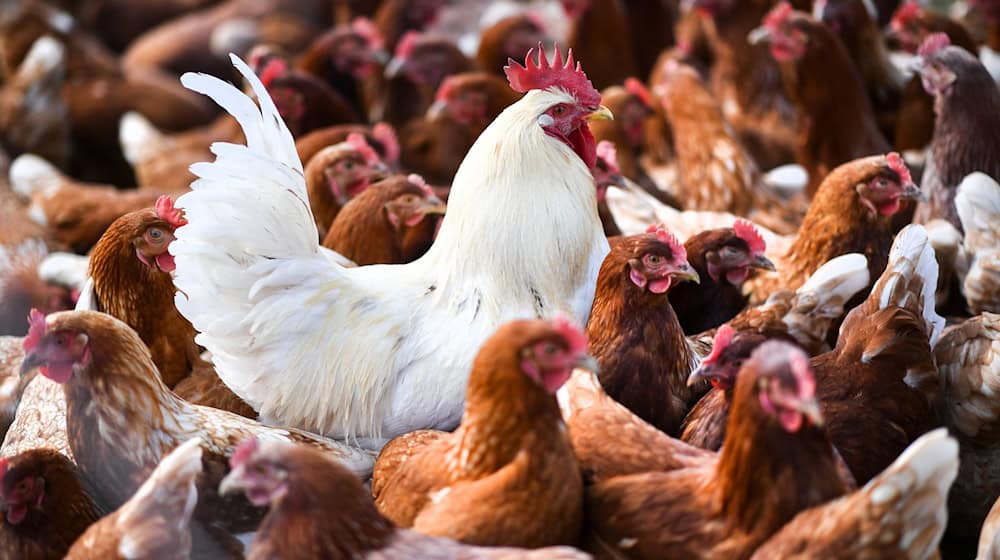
{"x": 377, "y": 351}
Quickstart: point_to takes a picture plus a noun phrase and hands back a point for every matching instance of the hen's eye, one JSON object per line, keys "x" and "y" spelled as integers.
{"x": 654, "y": 259}
{"x": 881, "y": 183}
{"x": 155, "y": 234}
{"x": 408, "y": 199}
{"x": 550, "y": 349}
{"x": 348, "y": 165}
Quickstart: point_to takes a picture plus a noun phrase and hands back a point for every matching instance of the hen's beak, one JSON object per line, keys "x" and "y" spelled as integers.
{"x": 394, "y": 67}
{"x": 232, "y": 483}
{"x": 436, "y": 109}
{"x": 588, "y": 362}
{"x": 912, "y": 192}
{"x": 686, "y": 272}
{"x": 380, "y": 56}
{"x": 434, "y": 205}
{"x": 697, "y": 376}
{"x": 601, "y": 114}
{"x": 810, "y": 409}
{"x": 762, "y": 262}
{"x": 759, "y": 35}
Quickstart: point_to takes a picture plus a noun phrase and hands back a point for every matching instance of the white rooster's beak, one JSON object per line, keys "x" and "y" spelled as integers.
{"x": 601, "y": 114}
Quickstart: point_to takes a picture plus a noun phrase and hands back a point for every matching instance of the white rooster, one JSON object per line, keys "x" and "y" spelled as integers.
{"x": 377, "y": 351}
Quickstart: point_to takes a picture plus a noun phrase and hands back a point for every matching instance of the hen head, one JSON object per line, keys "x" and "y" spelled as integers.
{"x": 272, "y": 67}
{"x": 888, "y": 185}
{"x": 779, "y": 376}
{"x": 58, "y": 352}
{"x": 258, "y": 470}
{"x": 152, "y": 234}
{"x": 712, "y": 8}
{"x": 654, "y": 260}
{"x": 560, "y": 99}
{"x": 729, "y": 351}
{"x": 844, "y": 16}
{"x": 946, "y": 69}
{"x": 526, "y": 31}
{"x": 413, "y": 200}
{"x": 905, "y": 26}
{"x": 357, "y": 49}
{"x": 22, "y": 489}
{"x": 730, "y": 253}
{"x": 606, "y": 171}
{"x": 348, "y": 168}
{"x": 465, "y": 100}
{"x": 635, "y": 111}
{"x": 425, "y": 59}
{"x": 785, "y": 31}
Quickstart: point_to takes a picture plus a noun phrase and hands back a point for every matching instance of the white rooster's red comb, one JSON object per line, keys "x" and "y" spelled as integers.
{"x": 607, "y": 152}
{"x": 723, "y": 337}
{"x": 575, "y": 338}
{"x": 36, "y": 330}
{"x": 360, "y": 144}
{"x": 897, "y": 164}
{"x": 934, "y": 43}
{"x": 167, "y": 212}
{"x": 539, "y": 74}
{"x": 748, "y": 232}
{"x": 664, "y": 236}
{"x": 367, "y": 31}
{"x": 638, "y": 89}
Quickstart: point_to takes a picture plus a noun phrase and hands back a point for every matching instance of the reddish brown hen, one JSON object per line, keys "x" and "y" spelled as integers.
{"x": 338, "y": 173}
{"x": 776, "y": 462}
{"x": 44, "y": 504}
{"x": 293, "y": 479}
{"x": 392, "y": 222}
{"x": 634, "y": 334}
{"x": 508, "y": 475}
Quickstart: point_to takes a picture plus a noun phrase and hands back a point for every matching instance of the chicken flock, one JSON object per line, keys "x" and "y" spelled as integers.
{"x": 428, "y": 279}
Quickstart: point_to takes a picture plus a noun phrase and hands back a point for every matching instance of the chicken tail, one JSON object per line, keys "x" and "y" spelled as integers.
{"x": 910, "y": 280}
{"x": 158, "y": 516}
{"x": 821, "y": 300}
{"x": 140, "y": 139}
{"x": 913, "y": 491}
{"x": 30, "y": 174}
{"x": 978, "y": 205}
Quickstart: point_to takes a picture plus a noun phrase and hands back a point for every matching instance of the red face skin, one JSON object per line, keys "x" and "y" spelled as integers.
{"x": 58, "y": 354}
{"x": 569, "y": 124}
{"x": 21, "y": 494}
{"x": 656, "y": 272}
{"x": 605, "y": 177}
{"x": 409, "y": 209}
{"x": 575, "y": 8}
{"x": 713, "y": 8}
{"x": 788, "y": 44}
{"x": 262, "y": 480}
{"x": 290, "y": 103}
{"x": 883, "y": 193}
{"x": 353, "y": 56}
{"x": 633, "y": 117}
{"x": 350, "y": 175}
{"x": 468, "y": 106}
{"x": 151, "y": 248}
{"x": 549, "y": 363}
{"x": 734, "y": 263}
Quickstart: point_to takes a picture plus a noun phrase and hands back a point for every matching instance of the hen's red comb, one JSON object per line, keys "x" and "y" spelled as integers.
{"x": 274, "y": 69}
{"x": 748, "y": 232}
{"x": 167, "y": 212}
{"x": 778, "y": 15}
{"x": 897, "y": 164}
{"x": 385, "y": 134}
{"x": 419, "y": 181}
{"x": 243, "y": 452}
{"x": 405, "y": 46}
{"x": 664, "y": 236}
{"x": 367, "y": 31}
{"x": 638, "y": 89}
{"x": 36, "y": 330}
{"x": 574, "y": 336}
{"x": 905, "y": 15}
{"x": 607, "y": 151}
{"x": 445, "y": 89}
{"x": 542, "y": 75}
{"x": 723, "y": 337}
{"x": 934, "y": 43}
{"x": 358, "y": 142}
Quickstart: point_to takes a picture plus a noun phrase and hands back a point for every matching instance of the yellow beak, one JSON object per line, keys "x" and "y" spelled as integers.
{"x": 601, "y": 114}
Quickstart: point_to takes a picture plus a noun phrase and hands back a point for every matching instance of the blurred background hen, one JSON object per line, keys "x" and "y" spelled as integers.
{"x": 398, "y": 279}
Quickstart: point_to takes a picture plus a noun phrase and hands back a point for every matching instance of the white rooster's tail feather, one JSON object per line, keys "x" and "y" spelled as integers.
{"x": 822, "y": 298}
{"x": 30, "y": 174}
{"x": 978, "y": 205}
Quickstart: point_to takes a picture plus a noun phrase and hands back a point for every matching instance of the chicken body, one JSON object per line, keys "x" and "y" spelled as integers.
{"x": 378, "y": 351}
